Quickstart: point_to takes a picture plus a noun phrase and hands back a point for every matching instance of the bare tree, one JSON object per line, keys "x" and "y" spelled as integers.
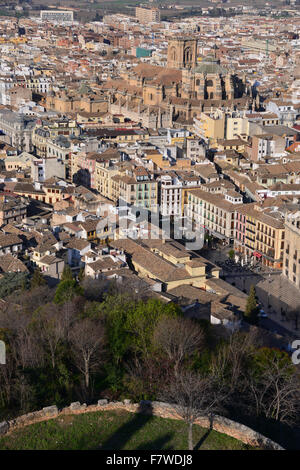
{"x": 178, "y": 338}
{"x": 146, "y": 375}
{"x": 23, "y": 392}
{"x": 25, "y": 347}
{"x": 51, "y": 327}
{"x": 275, "y": 390}
{"x": 228, "y": 364}
{"x": 87, "y": 340}
{"x": 7, "y": 371}
{"x": 94, "y": 289}
{"x": 192, "y": 396}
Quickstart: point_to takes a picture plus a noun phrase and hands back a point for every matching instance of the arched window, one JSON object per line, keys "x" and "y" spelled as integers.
{"x": 211, "y": 96}
{"x": 187, "y": 55}
{"x": 209, "y": 83}
{"x": 173, "y": 54}
{"x": 197, "y": 82}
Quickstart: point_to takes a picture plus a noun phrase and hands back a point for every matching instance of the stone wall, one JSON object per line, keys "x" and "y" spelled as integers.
{"x": 163, "y": 410}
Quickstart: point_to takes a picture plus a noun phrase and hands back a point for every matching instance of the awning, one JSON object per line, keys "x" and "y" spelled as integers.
{"x": 256, "y": 254}
{"x": 217, "y": 235}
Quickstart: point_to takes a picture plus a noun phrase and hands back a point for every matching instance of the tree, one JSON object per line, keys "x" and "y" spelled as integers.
{"x": 94, "y": 289}
{"x": 146, "y": 376}
{"x": 116, "y": 310}
{"x": 251, "y": 311}
{"x": 273, "y": 385}
{"x": 50, "y": 324}
{"x": 37, "y": 279}
{"x": 178, "y": 338}
{"x": 67, "y": 274}
{"x": 192, "y": 396}
{"x": 87, "y": 340}
{"x": 130, "y": 323}
{"x": 231, "y": 359}
{"x": 66, "y": 291}
{"x": 142, "y": 319}
{"x": 10, "y": 282}
{"x": 81, "y": 275}
{"x": 231, "y": 254}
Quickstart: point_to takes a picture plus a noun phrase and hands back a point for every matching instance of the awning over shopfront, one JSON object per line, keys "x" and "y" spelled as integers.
{"x": 256, "y": 254}
{"x": 217, "y": 235}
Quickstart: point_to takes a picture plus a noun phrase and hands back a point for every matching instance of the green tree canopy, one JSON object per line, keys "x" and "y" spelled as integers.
{"x": 130, "y": 324}
{"x": 67, "y": 274}
{"x": 252, "y": 309}
{"x": 66, "y": 291}
{"x": 37, "y": 279}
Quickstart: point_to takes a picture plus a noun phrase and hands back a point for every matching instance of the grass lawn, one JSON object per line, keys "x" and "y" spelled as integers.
{"x": 114, "y": 430}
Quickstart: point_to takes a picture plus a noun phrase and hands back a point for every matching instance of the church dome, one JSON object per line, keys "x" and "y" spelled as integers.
{"x": 210, "y": 65}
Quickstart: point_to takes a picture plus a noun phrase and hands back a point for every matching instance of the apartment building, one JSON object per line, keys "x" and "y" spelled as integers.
{"x": 59, "y": 147}
{"x": 17, "y": 129}
{"x": 210, "y": 126}
{"x": 12, "y": 210}
{"x": 147, "y": 15}
{"x": 39, "y": 84}
{"x": 48, "y": 130}
{"x": 57, "y": 16}
{"x": 267, "y": 145}
{"x": 291, "y": 255}
{"x": 45, "y": 168}
{"x": 195, "y": 149}
{"x": 40, "y": 138}
{"x": 104, "y": 181}
{"x": 260, "y": 234}
{"x": 285, "y": 110}
{"x": 95, "y": 170}
{"x": 268, "y": 175}
{"x": 231, "y": 144}
{"x": 221, "y": 125}
{"x": 236, "y": 125}
{"x": 172, "y": 189}
{"x": 213, "y": 212}
{"x": 138, "y": 188}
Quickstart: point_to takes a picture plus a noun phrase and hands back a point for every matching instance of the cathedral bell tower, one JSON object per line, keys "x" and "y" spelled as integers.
{"x": 182, "y": 53}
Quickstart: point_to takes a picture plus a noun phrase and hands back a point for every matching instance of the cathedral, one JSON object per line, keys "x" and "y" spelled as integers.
{"x": 173, "y": 95}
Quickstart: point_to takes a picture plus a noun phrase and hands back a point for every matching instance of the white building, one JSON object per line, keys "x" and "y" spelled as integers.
{"x": 57, "y": 16}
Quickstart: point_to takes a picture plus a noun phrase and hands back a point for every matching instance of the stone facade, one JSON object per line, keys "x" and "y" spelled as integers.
{"x": 182, "y": 53}
{"x": 172, "y": 96}
{"x": 291, "y": 258}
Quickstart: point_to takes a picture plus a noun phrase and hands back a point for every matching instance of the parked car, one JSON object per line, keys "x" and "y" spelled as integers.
{"x": 262, "y": 314}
